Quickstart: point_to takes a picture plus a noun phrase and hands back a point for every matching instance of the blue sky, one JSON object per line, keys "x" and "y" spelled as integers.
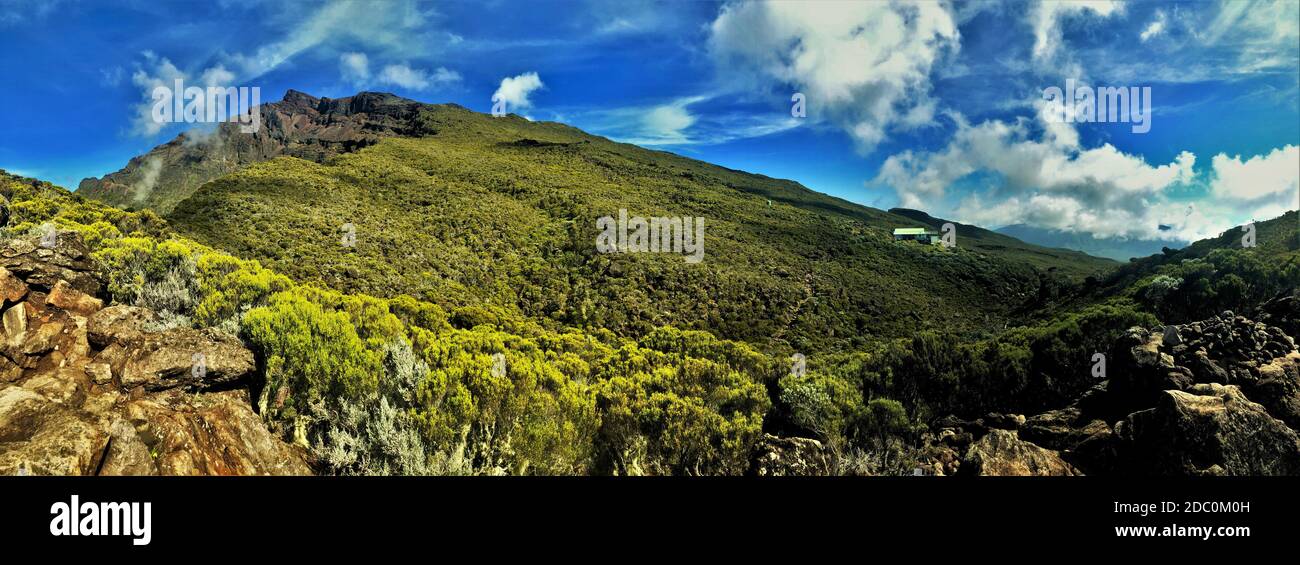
{"x": 933, "y": 105}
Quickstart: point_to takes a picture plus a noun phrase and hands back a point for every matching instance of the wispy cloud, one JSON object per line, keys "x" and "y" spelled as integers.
{"x": 354, "y": 68}
{"x": 675, "y": 123}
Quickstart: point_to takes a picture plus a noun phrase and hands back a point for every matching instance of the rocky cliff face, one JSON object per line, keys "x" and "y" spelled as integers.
{"x": 93, "y": 390}
{"x": 1216, "y": 397}
{"x": 300, "y": 126}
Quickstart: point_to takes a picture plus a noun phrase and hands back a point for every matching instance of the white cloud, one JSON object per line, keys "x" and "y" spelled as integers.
{"x": 668, "y": 121}
{"x": 217, "y": 76}
{"x": 1046, "y": 17}
{"x": 514, "y": 91}
{"x": 1156, "y": 27}
{"x": 355, "y": 67}
{"x": 340, "y": 22}
{"x": 416, "y": 79}
{"x": 1264, "y": 35}
{"x": 675, "y": 123}
{"x": 629, "y": 17}
{"x": 156, "y": 72}
{"x": 862, "y": 65}
{"x": 1263, "y": 179}
{"x": 1244, "y": 22}
{"x": 150, "y": 171}
{"x": 1048, "y": 181}
{"x": 159, "y": 71}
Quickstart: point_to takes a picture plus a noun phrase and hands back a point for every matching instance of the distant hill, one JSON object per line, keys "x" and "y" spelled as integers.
{"x": 1119, "y": 249}
{"x": 1049, "y": 257}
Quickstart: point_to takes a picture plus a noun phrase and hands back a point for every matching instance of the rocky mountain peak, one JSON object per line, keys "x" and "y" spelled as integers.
{"x": 296, "y": 99}
{"x": 300, "y": 125}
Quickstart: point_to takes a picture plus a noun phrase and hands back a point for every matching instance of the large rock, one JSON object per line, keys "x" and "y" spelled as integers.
{"x": 120, "y": 323}
{"x": 73, "y": 300}
{"x": 91, "y": 390}
{"x": 178, "y": 357}
{"x": 44, "y": 437}
{"x": 128, "y": 454}
{"x": 1283, "y": 312}
{"x": 184, "y": 357}
{"x": 1002, "y": 453}
{"x": 41, "y": 267}
{"x": 12, "y": 288}
{"x": 789, "y": 456}
{"x": 1210, "y": 429}
{"x": 211, "y": 434}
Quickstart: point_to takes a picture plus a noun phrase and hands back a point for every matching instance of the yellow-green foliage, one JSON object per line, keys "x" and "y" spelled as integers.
{"x": 230, "y": 286}
{"x": 680, "y": 403}
{"x": 310, "y": 351}
{"x": 524, "y": 416}
{"x": 32, "y": 203}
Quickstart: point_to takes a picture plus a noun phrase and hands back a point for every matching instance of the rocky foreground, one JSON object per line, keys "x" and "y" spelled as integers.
{"x": 1215, "y": 397}
{"x": 93, "y": 390}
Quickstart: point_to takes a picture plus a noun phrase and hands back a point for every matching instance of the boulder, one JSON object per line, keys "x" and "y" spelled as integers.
{"x": 1283, "y": 312}
{"x": 1002, "y": 453}
{"x": 41, "y": 267}
{"x": 789, "y": 456}
{"x": 15, "y": 326}
{"x": 211, "y": 434}
{"x": 1277, "y": 388}
{"x": 185, "y": 357}
{"x": 66, "y": 386}
{"x": 127, "y": 454}
{"x": 12, "y": 289}
{"x": 46, "y": 437}
{"x": 119, "y": 323}
{"x": 1210, "y": 429}
{"x": 73, "y": 300}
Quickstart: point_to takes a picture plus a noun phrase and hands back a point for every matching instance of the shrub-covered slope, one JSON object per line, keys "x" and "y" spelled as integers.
{"x": 501, "y": 213}
{"x": 400, "y": 385}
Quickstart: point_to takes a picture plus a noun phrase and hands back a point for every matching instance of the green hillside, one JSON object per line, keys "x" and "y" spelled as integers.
{"x": 1210, "y": 275}
{"x": 501, "y": 213}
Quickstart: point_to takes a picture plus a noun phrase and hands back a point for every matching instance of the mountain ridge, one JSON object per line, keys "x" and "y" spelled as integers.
{"x": 299, "y": 125}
